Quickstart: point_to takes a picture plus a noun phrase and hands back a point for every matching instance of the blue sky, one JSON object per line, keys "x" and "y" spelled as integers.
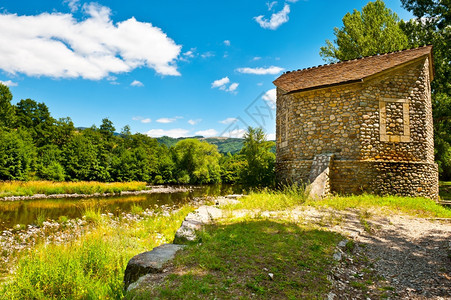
{"x": 177, "y": 68}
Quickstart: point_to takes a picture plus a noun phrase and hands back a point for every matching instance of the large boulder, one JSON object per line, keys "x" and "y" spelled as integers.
{"x": 149, "y": 262}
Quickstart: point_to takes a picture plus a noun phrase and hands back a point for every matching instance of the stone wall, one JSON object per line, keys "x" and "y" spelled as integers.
{"x": 387, "y": 118}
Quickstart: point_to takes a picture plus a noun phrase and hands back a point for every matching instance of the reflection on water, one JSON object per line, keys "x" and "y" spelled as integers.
{"x": 28, "y": 211}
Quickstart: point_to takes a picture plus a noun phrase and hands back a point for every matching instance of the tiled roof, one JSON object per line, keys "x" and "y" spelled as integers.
{"x": 347, "y": 71}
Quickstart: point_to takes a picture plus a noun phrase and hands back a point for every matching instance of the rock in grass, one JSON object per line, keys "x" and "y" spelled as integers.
{"x": 194, "y": 221}
{"x": 149, "y": 262}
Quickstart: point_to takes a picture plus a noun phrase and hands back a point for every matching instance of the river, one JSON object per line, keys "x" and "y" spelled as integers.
{"x": 29, "y": 212}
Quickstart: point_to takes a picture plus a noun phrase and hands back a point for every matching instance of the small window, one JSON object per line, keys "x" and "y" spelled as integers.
{"x": 394, "y": 120}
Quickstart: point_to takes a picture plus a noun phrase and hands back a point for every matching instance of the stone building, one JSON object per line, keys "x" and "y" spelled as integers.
{"x": 363, "y": 125}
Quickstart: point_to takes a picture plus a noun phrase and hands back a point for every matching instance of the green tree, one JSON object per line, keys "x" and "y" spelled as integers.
{"x": 197, "y": 162}
{"x": 48, "y": 165}
{"x": 17, "y": 155}
{"x": 231, "y": 166}
{"x": 374, "y": 30}
{"x": 259, "y": 168}
{"x": 433, "y": 26}
{"x": 7, "y": 116}
{"x": 36, "y": 118}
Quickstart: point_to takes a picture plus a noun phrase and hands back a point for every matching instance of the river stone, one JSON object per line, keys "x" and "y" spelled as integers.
{"x": 149, "y": 262}
{"x": 194, "y": 221}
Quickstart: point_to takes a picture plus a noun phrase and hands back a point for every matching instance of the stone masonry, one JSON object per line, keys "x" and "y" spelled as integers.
{"x": 372, "y": 116}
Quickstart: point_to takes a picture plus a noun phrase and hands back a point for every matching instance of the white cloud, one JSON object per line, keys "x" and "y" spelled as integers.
{"x": 136, "y": 83}
{"x": 260, "y": 83}
{"x": 233, "y": 87}
{"x": 60, "y": 46}
{"x": 175, "y": 133}
{"x": 227, "y": 42}
{"x": 228, "y": 121}
{"x": 194, "y": 122}
{"x": 208, "y": 132}
{"x": 9, "y": 83}
{"x": 207, "y": 54}
{"x": 220, "y": 82}
{"x": 261, "y": 71}
{"x": 270, "y": 96}
{"x": 222, "y": 85}
{"x": 73, "y": 4}
{"x": 257, "y": 58}
{"x": 141, "y": 119}
{"x": 166, "y": 120}
{"x": 270, "y": 5}
{"x": 276, "y": 19}
{"x": 271, "y": 136}
{"x": 189, "y": 53}
{"x": 237, "y": 133}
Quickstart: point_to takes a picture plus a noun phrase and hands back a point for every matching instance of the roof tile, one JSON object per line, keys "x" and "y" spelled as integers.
{"x": 346, "y": 71}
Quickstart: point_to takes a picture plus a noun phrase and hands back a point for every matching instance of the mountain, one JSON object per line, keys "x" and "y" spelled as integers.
{"x": 225, "y": 145}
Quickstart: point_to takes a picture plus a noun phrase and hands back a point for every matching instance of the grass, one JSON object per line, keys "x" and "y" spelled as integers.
{"x": 28, "y": 188}
{"x": 271, "y": 200}
{"x": 419, "y": 207}
{"x": 235, "y": 259}
{"x": 91, "y": 267}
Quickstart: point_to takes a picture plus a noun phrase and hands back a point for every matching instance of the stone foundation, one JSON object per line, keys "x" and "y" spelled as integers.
{"x": 417, "y": 179}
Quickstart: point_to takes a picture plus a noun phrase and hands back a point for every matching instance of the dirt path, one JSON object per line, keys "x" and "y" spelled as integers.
{"x": 390, "y": 256}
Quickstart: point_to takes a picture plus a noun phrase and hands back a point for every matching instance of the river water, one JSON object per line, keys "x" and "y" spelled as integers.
{"x": 28, "y": 212}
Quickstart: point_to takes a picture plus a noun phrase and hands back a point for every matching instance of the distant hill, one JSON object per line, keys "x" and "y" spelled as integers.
{"x": 225, "y": 145}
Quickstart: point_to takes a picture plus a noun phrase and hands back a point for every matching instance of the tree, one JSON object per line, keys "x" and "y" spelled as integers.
{"x": 17, "y": 155}
{"x": 259, "y": 168}
{"x": 433, "y": 26}
{"x": 107, "y": 127}
{"x": 373, "y": 31}
{"x": 197, "y": 162}
{"x": 7, "y": 116}
{"x": 36, "y": 118}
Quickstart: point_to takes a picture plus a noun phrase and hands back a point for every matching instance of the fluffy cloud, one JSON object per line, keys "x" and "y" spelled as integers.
{"x": 175, "y": 133}
{"x": 261, "y": 71}
{"x": 233, "y": 87}
{"x": 271, "y": 136}
{"x": 136, "y": 83}
{"x": 237, "y": 133}
{"x": 142, "y": 119}
{"x": 166, "y": 120}
{"x": 57, "y": 45}
{"x": 73, "y": 4}
{"x": 9, "y": 83}
{"x": 208, "y": 132}
{"x": 194, "y": 122}
{"x": 222, "y": 84}
{"x": 228, "y": 121}
{"x": 276, "y": 19}
{"x": 270, "y": 5}
{"x": 227, "y": 42}
{"x": 270, "y": 96}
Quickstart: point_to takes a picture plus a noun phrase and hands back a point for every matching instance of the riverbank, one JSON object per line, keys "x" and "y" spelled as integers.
{"x": 33, "y": 190}
{"x": 82, "y": 258}
{"x": 335, "y": 248}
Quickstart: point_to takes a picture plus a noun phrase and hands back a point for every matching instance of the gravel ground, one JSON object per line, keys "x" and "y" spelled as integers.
{"x": 395, "y": 257}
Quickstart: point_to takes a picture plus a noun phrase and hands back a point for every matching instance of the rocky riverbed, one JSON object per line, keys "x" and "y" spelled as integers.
{"x": 151, "y": 190}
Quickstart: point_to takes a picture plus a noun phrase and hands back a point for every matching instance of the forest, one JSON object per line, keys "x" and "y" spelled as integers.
{"x": 34, "y": 145}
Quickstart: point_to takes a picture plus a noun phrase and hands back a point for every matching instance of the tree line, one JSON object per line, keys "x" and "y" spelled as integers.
{"x": 34, "y": 145}
{"x": 376, "y": 29}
